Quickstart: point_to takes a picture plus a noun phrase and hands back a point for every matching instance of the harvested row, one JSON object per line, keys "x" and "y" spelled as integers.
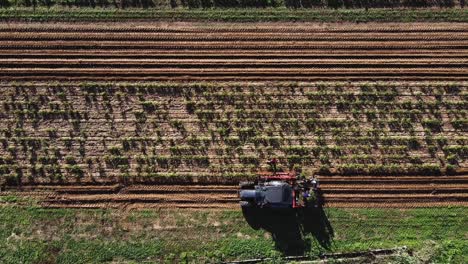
{"x": 230, "y": 78}
{"x": 234, "y": 54}
{"x": 221, "y": 63}
{"x": 338, "y": 191}
{"x": 230, "y": 52}
{"x": 327, "y": 36}
{"x": 230, "y": 74}
{"x": 180, "y": 27}
{"x": 240, "y": 44}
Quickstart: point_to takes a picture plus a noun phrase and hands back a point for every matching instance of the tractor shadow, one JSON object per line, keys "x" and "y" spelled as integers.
{"x": 292, "y": 230}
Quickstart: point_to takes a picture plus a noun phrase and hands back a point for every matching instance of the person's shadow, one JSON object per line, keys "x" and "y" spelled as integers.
{"x": 290, "y": 229}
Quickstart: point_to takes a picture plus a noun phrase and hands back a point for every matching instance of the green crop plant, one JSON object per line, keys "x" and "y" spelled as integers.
{"x": 70, "y": 160}
{"x": 115, "y": 160}
{"x": 202, "y": 161}
{"x": 455, "y": 105}
{"x": 62, "y": 96}
{"x": 414, "y": 160}
{"x": 462, "y": 151}
{"x": 295, "y": 159}
{"x": 143, "y": 159}
{"x": 452, "y": 88}
{"x": 5, "y": 169}
{"x": 297, "y": 150}
{"x": 249, "y": 159}
{"x": 36, "y": 171}
{"x": 450, "y": 169}
{"x": 273, "y": 141}
{"x": 458, "y": 114}
{"x": 194, "y": 140}
{"x": 76, "y": 123}
{"x": 461, "y": 140}
{"x": 150, "y": 106}
{"x": 47, "y": 159}
{"x": 428, "y": 137}
{"x": 352, "y": 169}
{"x": 114, "y": 150}
{"x": 359, "y": 158}
{"x": 378, "y": 169}
{"x": 370, "y": 169}
{"x": 6, "y": 132}
{"x": 425, "y": 169}
{"x": 452, "y": 159}
{"x": 140, "y": 116}
{"x": 75, "y": 170}
{"x": 4, "y": 143}
{"x": 124, "y": 168}
{"x": 181, "y": 150}
{"x": 246, "y": 133}
{"x": 460, "y": 124}
{"x": 207, "y": 115}
{"x": 68, "y": 142}
{"x": 432, "y": 150}
{"x": 190, "y": 106}
{"x": 12, "y": 150}
{"x": 324, "y": 159}
{"x": 52, "y": 132}
{"x": 163, "y": 161}
{"x": 178, "y": 124}
{"x": 441, "y": 140}
{"x": 89, "y": 162}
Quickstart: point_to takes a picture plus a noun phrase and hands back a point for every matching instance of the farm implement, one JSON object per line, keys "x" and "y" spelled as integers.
{"x": 279, "y": 190}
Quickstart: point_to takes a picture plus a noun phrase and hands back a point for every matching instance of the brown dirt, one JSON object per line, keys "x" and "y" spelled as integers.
{"x": 186, "y": 51}
{"x": 401, "y": 191}
{"x": 226, "y": 52}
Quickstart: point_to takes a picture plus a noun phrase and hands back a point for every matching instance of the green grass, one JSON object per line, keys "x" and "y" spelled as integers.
{"x": 31, "y": 234}
{"x": 236, "y": 15}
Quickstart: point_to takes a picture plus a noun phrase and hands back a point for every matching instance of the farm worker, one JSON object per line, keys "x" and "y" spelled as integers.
{"x": 305, "y": 196}
{"x": 272, "y": 164}
{"x": 315, "y": 184}
{"x": 309, "y": 198}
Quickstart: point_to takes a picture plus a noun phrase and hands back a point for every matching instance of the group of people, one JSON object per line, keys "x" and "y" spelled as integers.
{"x": 309, "y": 187}
{"x": 308, "y": 196}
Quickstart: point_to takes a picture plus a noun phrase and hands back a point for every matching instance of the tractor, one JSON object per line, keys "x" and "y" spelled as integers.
{"x": 278, "y": 190}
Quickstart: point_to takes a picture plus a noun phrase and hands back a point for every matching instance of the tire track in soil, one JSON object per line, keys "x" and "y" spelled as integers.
{"x": 354, "y": 48}
{"x": 338, "y": 191}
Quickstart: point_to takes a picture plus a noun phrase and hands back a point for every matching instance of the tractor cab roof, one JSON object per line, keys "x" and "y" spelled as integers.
{"x": 277, "y": 192}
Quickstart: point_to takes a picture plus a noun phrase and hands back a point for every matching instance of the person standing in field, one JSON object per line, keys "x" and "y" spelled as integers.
{"x": 272, "y": 164}
{"x": 315, "y": 183}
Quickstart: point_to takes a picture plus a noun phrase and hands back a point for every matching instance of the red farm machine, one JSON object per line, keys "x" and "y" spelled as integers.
{"x": 279, "y": 190}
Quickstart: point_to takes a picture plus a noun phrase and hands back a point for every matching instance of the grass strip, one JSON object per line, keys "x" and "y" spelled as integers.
{"x": 30, "y": 234}
{"x": 235, "y": 15}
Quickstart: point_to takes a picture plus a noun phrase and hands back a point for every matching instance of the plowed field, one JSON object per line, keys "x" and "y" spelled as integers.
{"x": 422, "y": 126}
{"x": 264, "y": 52}
{"x": 359, "y": 191}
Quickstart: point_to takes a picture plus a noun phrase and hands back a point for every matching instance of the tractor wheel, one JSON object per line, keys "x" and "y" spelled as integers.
{"x": 245, "y": 204}
{"x": 246, "y": 185}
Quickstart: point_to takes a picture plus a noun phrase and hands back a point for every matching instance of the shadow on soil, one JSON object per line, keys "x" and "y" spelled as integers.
{"x": 291, "y": 229}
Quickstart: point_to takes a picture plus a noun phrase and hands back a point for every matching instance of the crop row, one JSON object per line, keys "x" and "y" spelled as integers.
{"x": 260, "y": 28}
{"x": 405, "y": 106}
{"x": 308, "y": 4}
{"x": 103, "y": 130}
{"x": 243, "y": 45}
{"x": 230, "y": 36}
{"x": 165, "y": 88}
